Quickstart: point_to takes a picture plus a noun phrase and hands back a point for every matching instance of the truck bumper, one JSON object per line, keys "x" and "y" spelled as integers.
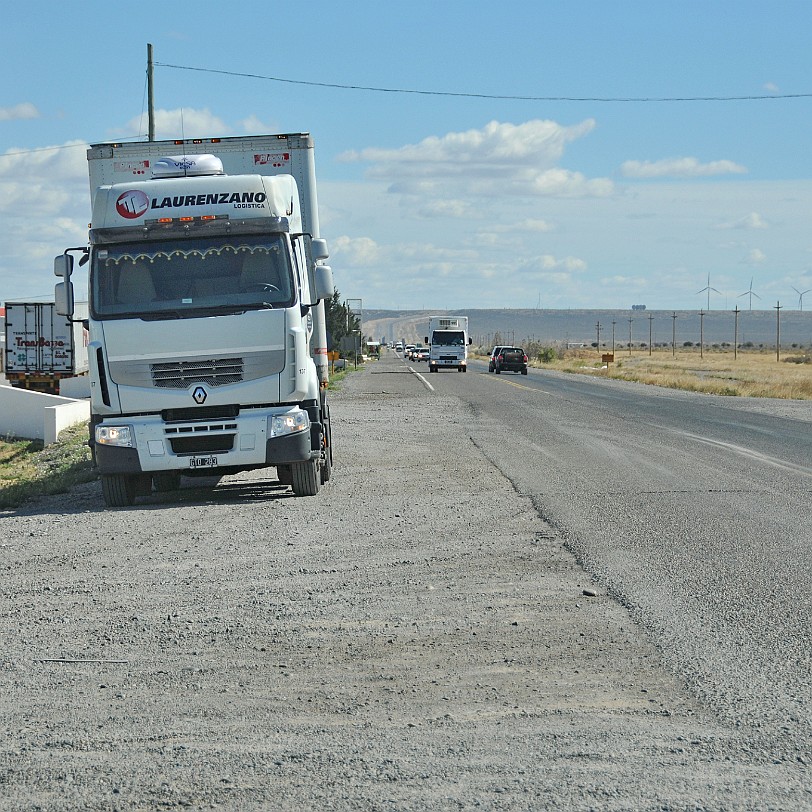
{"x": 238, "y": 444}
{"x": 447, "y": 363}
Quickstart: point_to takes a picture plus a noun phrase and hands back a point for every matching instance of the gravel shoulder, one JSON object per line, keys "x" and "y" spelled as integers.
{"x": 414, "y": 637}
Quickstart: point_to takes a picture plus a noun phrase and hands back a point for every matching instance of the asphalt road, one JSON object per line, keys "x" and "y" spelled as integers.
{"x": 515, "y": 593}
{"x": 694, "y": 511}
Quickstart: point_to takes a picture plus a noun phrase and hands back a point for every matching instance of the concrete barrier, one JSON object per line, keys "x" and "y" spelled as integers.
{"x": 37, "y": 416}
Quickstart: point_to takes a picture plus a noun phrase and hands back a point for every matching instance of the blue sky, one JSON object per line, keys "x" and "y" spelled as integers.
{"x": 451, "y": 201}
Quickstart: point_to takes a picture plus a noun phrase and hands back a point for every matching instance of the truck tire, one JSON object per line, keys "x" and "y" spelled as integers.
{"x": 283, "y": 475}
{"x": 524, "y": 371}
{"x": 497, "y": 370}
{"x": 166, "y": 481}
{"x": 119, "y": 490}
{"x": 305, "y": 478}
{"x": 327, "y": 461}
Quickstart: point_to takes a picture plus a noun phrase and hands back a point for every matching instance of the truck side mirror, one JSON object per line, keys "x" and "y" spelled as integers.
{"x": 426, "y": 339}
{"x": 63, "y": 292}
{"x": 63, "y": 266}
{"x": 324, "y": 282}
{"x": 470, "y": 340}
{"x": 318, "y": 248}
{"x": 63, "y": 299}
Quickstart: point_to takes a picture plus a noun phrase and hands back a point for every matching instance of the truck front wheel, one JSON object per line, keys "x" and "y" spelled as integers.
{"x": 305, "y": 478}
{"x": 120, "y": 490}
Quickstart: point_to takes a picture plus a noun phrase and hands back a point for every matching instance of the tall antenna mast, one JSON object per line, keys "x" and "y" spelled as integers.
{"x": 150, "y": 96}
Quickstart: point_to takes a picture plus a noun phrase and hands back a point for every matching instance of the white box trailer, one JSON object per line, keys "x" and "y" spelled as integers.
{"x": 42, "y": 348}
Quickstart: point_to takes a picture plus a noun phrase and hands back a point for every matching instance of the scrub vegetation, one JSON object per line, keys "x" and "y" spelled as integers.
{"x": 717, "y": 372}
{"x": 27, "y": 469}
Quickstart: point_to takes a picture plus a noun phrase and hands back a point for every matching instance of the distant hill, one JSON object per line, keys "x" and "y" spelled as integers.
{"x": 756, "y": 327}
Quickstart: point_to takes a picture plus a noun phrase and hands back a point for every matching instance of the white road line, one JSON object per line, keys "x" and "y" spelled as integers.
{"x": 753, "y": 455}
{"x": 422, "y": 379}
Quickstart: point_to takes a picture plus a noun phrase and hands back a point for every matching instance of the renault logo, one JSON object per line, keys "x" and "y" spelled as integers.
{"x": 199, "y": 395}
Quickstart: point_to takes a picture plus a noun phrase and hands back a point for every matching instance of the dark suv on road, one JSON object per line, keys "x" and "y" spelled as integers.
{"x": 511, "y": 359}
{"x": 492, "y": 359}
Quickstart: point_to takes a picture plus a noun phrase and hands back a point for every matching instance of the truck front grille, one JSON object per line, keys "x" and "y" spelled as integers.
{"x": 181, "y": 374}
{"x": 202, "y": 444}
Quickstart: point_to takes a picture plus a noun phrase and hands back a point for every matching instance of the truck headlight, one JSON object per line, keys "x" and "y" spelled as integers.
{"x": 121, "y": 436}
{"x": 289, "y": 423}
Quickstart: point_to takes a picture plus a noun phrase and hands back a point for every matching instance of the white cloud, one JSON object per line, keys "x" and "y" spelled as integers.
{"x": 679, "y": 168}
{"x": 755, "y": 256}
{"x": 528, "y": 225}
{"x": 44, "y": 208}
{"x": 771, "y": 87}
{"x": 358, "y": 251}
{"x": 185, "y": 122}
{"x": 548, "y": 262}
{"x": 751, "y": 221}
{"x": 254, "y": 126}
{"x": 25, "y": 110}
{"x": 457, "y": 209}
{"x": 498, "y": 160}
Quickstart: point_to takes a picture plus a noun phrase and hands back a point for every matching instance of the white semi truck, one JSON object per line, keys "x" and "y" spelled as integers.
{"x": 206, "y": 284}
{"x": 448, "y": 342}
{"x": 43, "y": 348}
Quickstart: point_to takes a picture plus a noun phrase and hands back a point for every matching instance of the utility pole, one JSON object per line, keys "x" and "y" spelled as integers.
{"x": 355, "y": 308}
{"x": 701, "y": 333}
{"x": 777, "y": 309}
{"x": 650, "y": 320}
{"x": 598, "y": 325}
{"x": 150, "y": 95}
{"x": 613, "y": 338}
{"x": 736, "y": 333}
{"x": 630, "y": 335}
{"x": 674, "y": 335}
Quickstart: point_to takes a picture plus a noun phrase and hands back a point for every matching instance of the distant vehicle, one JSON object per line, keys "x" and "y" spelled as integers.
{"x": 408, "y": 351}
{"x": 492, "y": 359}
{"x": 511, "y": 359}
{"x": 448, "y": 342}
{"x": 399, "y": 346}
{"x": 421, "y": 354}
{"x": 42, "y": 347}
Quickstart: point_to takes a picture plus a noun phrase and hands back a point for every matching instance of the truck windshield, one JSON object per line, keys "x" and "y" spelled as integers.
{"x": 448, "y": 338}
{"x": 174, "y": 278}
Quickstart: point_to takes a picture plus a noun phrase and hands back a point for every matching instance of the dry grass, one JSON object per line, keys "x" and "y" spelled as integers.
{"x": 27, "y": 469}
{"x": 750, "y": 374}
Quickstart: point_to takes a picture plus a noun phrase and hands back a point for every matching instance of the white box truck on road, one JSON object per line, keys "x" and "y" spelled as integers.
{"x": 448, "y": 343}
{"x": 207, "y": 338}
{"x": 41, "y": 347}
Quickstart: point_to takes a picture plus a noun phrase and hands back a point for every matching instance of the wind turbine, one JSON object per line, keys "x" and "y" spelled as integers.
{"x": 750, "y": 293}
{"x": 800, "y": 296}
{"x": 708, "y": 289}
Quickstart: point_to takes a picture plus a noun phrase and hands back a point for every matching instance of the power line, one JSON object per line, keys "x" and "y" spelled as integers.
{"x": 59, "y": 147}
{"x": 610, "y": 99}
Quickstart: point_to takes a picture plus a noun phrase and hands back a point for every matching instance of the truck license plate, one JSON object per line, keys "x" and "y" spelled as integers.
{"x": 203, "y": 462}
